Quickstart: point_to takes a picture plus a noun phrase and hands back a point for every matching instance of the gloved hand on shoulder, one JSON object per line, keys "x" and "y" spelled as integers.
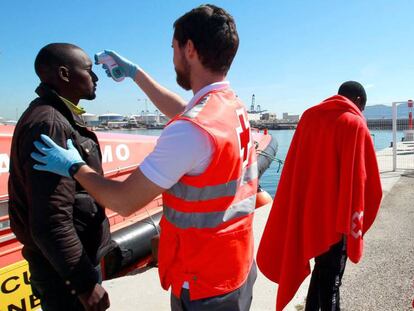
{"x": 54, "y": 158}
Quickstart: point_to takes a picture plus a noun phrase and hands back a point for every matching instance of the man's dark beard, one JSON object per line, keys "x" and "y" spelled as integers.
{"x": 93, "y": 96}
{"x": 90, "y": 96}
{"x": 183, "y": 82}
{"x": 183, "y": 77}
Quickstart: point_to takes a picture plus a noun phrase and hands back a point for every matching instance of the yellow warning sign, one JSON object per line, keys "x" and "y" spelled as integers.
{"x": 15, "y": 291}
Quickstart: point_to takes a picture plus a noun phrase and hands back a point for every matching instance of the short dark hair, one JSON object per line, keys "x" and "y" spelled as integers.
{"x": 214, "y": 34}
{"x": 52, "y": 56}
{"x": 352, "y": 90}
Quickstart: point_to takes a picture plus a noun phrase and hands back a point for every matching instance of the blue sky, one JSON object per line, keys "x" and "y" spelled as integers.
{"x": 292, "y": 54}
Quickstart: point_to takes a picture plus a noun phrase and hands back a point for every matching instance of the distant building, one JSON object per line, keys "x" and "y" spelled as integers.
{"x": 90, "y": 119}
{"x": 155, "y": 119}
{"x": 268, "y": 116}
{"x": 147, "y": 118}
{"x": 255, "y": 112}
{"x": 290, "y": 117}
{"x": 110, "y": 117}
{"x": 112, "y": 120}
{"x": 254, "y": 116}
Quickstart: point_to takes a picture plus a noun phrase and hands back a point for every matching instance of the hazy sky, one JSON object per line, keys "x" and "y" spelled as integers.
{"x": 292, "y": 53}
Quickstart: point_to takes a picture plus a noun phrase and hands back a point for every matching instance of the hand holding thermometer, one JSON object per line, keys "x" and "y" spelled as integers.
{"x": 115, "y": 71}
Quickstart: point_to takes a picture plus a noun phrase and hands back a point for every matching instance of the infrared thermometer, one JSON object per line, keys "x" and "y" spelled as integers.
{"x": 116, "y": 72}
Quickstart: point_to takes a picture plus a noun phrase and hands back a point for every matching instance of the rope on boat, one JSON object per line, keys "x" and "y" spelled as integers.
{"x": 271, "y": 157}
{"x": 152, "y": 221}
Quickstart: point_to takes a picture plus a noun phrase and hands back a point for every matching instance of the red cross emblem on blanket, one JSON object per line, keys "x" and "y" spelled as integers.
{"x": 356, "y": 229}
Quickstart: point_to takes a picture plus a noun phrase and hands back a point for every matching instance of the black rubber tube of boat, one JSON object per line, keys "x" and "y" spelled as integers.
{"x": 133, "y": 243}
{"x": 265, "y": 159}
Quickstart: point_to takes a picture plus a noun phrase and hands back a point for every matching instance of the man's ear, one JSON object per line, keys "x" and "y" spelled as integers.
{"x": 358, "y": 103}
{"x": 190, "y": 50}
{"x": 63, "y": 73}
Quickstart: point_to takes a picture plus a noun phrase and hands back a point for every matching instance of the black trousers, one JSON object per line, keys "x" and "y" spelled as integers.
{"x": 237, "y": 300}
{"x": 323, "y": 292}
{"x": 54, "y": 294}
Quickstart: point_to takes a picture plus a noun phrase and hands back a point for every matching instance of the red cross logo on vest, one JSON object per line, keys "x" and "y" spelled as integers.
{"x": 356, "y": 230}
{"x": 243, "y": 135}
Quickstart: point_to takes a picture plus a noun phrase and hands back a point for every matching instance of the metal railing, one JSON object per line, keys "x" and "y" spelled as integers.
{"x": 393, "y": 137}
{"x": 402, "y": 150}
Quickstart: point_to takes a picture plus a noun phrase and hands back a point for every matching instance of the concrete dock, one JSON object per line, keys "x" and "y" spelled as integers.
{"x": 383, "y": 280}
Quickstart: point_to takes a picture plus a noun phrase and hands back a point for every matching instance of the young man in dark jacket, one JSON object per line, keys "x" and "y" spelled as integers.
{"x": 64, "y": 231}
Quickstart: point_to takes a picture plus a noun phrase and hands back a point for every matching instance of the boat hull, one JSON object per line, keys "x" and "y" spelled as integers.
{"x": 133, "y": 235}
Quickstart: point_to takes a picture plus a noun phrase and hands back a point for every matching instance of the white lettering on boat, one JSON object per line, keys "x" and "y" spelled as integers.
{"x": 107, "y": 154}
{"x": 122, "y": 153}
{"x": 4, "y": 163}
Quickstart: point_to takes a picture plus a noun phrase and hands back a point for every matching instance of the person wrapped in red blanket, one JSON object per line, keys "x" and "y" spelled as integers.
{"x": 328, "y": 197}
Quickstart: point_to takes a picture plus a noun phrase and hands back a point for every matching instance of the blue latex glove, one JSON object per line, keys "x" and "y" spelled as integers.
{"x": 126, "y": 65}
{"x": 54, "y": 158}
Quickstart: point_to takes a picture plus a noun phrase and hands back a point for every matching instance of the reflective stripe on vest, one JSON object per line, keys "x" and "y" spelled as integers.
{"x": 185, "y": 220}
{"x": 193, "y": 112}
{"x": 191, "y": 193}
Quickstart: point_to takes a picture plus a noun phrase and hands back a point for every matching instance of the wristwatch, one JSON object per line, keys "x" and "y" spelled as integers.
{"x": 74, "y": 168}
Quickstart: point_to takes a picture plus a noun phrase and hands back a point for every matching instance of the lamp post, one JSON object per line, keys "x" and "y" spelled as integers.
{"x": 145, "y": 100}
{"x": 145, "y": 111}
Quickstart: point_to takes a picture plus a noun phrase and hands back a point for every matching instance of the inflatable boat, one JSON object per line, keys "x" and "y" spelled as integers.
{"x": 135, "y": 236}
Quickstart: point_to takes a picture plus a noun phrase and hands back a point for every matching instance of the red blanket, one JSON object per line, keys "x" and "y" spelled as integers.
{"x": 330, "y": 186}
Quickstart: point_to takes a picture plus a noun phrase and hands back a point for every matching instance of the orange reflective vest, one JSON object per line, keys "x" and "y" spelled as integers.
{"x": 206, "y": 228}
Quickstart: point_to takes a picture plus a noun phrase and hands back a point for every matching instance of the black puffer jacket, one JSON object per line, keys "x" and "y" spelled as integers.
{"x": 62, "y": 228}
